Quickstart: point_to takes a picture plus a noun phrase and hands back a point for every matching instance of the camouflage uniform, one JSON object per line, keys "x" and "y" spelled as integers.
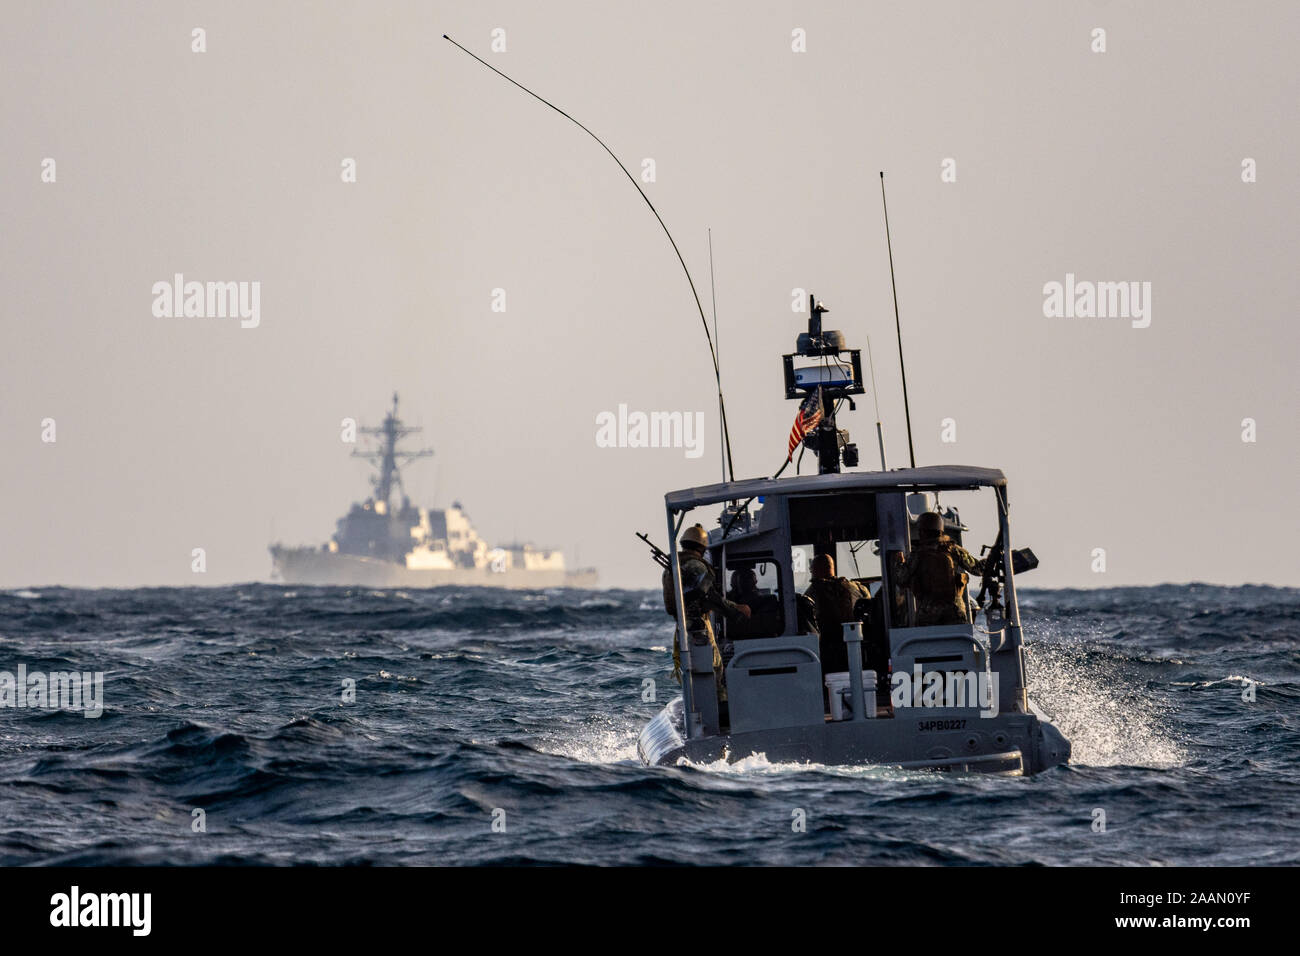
{"x": 835, "y": 599}
{"x": 701, "y": 594}
{"x": 937, "y": 601}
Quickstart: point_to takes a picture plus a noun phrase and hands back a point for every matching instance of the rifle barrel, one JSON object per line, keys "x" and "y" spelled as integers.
{"x": 660, "y": 557}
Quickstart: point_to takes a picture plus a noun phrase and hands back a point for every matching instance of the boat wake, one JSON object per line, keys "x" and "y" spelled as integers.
{"x": 1103, "y": 707}
{"x": 601, "y": 740}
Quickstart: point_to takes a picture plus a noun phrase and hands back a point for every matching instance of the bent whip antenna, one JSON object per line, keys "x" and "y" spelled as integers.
{"x": 717, "y": 372}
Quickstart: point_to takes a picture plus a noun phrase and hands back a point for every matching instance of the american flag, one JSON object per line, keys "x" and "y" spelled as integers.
{"x": 805, "y": 420}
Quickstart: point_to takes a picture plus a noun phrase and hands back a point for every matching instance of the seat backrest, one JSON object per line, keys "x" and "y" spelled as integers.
{"x": 947, "y": 646}
{"x": 943, "y": 647}
{"x": 775, "y": 682}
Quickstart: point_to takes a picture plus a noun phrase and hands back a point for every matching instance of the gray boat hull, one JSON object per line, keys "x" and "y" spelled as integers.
{"x": 929, "y": 738}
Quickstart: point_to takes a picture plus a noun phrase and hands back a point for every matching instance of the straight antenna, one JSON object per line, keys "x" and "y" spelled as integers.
{"x": 875, "y": 397}
{"x": 907, "y": 411}
{"x": 717, "y": 345}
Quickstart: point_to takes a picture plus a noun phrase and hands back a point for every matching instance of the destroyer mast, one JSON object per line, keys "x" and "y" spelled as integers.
{"x": 385, "y": 457}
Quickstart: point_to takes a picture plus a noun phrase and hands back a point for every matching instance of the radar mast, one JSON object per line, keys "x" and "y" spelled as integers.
{"x": 388, "y": 458}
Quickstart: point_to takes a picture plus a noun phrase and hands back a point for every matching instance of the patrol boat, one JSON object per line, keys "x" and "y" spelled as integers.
{"x": 950, "y": 697}
{"x": 382, "y": 543}
{"x": 779, "y": 703}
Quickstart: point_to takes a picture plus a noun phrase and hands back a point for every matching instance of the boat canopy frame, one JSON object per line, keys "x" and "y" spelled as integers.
{"x": 927, "y": 478}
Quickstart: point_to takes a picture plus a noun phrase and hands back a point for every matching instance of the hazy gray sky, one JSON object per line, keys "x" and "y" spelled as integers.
{"x": 176, "y": 433}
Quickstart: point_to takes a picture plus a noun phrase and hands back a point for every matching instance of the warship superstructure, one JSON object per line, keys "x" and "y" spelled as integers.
{"x": 386, "y": 542}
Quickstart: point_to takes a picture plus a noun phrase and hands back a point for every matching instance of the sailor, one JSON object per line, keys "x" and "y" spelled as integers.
{"x": 766, "y": 616}
{"x": 836, "y": 600}
{"x": 701, "y": 594}
{"x": 937, "y": 574}
{"x": 744, "y": 587}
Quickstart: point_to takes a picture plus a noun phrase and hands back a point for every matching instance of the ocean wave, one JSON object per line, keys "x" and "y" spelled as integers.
{"x": 470, "y": 706}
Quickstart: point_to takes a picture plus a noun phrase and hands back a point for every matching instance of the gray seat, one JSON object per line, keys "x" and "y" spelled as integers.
{"x": 946, "y": 648}
{"x": 941, "y": 647}
{"x": 775, "y": 682}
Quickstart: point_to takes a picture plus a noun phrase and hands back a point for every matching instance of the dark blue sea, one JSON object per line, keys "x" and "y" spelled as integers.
{"x": 476, "y": 706}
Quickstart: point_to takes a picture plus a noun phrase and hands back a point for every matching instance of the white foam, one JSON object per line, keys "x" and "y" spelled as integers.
{"x": 759, "y": 765}
{"x": 1237, "y": 679}
{"x": 600, "y": 741}
{"x": 1108, "y": 717}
